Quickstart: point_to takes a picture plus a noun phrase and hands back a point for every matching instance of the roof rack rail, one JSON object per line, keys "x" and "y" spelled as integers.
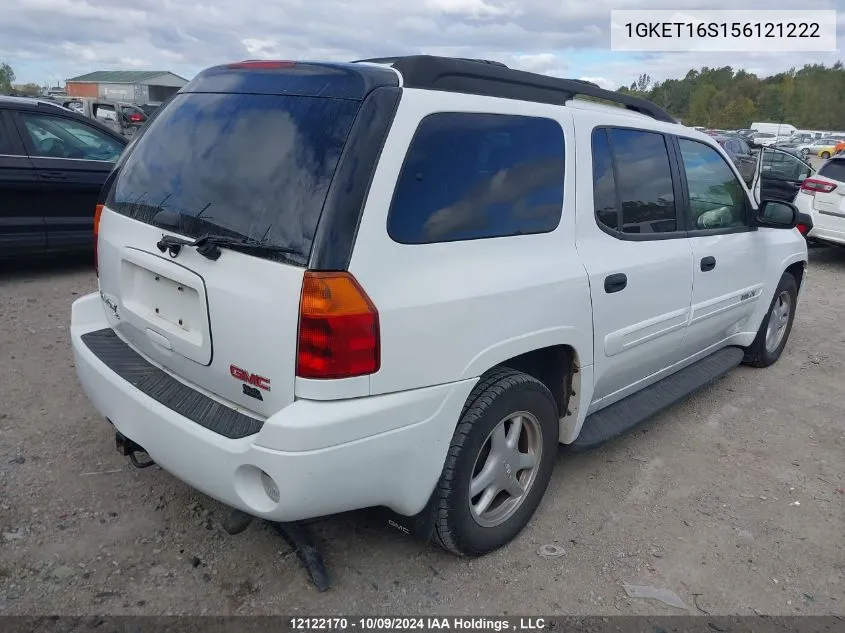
{"x": 393, "y": 60}
{"x": 493, "y": 79}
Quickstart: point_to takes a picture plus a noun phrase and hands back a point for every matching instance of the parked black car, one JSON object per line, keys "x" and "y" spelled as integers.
{"x": 53, "y": 163}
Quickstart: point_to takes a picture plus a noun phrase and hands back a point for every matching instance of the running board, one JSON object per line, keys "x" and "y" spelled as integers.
{"x": 624, "y": 415}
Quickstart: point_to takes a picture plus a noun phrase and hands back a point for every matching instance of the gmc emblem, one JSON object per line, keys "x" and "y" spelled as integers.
{"x": 251, "y": 379}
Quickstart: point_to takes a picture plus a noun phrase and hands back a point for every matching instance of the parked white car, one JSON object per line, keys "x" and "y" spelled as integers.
{"x": 403, "y": 283}
{"x": 764, "y": 139}
{"x": 822, "y": 197}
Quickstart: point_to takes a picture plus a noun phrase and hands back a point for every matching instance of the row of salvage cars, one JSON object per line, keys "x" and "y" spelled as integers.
{"x": 124, "y": 118}
{"x": 819, "y": 193}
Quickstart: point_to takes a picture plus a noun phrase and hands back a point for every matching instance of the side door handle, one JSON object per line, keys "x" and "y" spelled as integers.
{"x": 615, "y": 282}
{"x": 53, "y": 175}
{"x": 708, "y": 263}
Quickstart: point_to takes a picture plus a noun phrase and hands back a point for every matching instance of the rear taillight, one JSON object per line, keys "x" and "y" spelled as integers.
{"x": 338, "y": 328}
{"x": 136, "y": 118}
{"x": 803, "y": 229}
{"x": 813, "y": 186}
{"x": 98, "y": 211}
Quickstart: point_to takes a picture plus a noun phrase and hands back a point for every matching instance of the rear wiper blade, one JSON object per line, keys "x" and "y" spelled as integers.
{"x": 209, "y": 245}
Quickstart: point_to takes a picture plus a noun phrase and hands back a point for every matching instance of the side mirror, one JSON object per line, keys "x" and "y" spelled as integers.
{"x": 777, "y": 214}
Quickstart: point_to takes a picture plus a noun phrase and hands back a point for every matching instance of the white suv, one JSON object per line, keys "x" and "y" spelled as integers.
{"x": 822, "y": 197}
{"x": 401, "y": 283}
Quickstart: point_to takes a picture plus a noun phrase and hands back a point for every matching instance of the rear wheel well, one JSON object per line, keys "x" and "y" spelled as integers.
{"x": 797, "y": 271}
{"x": 554, "y": 366}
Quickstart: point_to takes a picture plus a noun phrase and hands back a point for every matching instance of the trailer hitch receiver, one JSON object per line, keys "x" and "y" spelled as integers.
{"x": 130, "y": 449}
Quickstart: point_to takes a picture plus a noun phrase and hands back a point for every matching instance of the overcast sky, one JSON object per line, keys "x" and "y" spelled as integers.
{"x": 52, "y": 40}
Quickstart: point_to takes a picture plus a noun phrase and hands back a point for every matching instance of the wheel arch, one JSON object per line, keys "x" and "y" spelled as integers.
{"x": 557, "y": 361}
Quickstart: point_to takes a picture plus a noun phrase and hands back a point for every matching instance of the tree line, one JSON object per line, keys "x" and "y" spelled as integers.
{"x": 811, "y": 98}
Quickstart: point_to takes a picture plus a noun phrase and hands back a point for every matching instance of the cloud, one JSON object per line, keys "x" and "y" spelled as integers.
{"x": 57, "y": 39}
{"x": 601, "y": 82}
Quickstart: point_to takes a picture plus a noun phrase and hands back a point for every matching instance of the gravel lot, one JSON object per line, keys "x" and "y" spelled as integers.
{"x": 733, "y": 500}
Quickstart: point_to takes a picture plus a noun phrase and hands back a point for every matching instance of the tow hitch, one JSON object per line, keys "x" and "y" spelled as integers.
{"x": 296, "y": 534}
{"x": 130, "y": 449}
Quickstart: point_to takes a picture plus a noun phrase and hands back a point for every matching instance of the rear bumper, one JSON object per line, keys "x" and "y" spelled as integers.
{"x": 310, "y": 449}
{"x": 827, "y": 227}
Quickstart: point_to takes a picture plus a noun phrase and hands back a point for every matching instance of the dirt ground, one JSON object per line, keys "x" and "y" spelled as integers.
{"x": 733, "y": 500}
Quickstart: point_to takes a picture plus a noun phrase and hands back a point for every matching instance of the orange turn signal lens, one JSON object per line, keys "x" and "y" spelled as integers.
{"x": 338, "y": 328}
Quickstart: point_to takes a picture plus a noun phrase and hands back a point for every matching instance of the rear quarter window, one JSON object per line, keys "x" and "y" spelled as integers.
{"x": 835, "y": 170}
{"x": 469, "y": 176}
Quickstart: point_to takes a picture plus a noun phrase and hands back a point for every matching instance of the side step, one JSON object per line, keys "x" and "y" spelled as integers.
{"x": 622, "y": 416}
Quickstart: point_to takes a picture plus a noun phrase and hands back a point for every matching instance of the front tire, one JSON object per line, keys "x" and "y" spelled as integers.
{"x": 499, "y": 464}
{"x": 776, "y": 326}
{"x": 825, "y": 155}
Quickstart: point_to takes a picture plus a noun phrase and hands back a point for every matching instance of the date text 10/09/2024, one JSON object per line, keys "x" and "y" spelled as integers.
{"x": 427, "y": 623}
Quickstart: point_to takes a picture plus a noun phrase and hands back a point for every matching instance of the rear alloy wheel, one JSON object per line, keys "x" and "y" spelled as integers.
{"x": 505, "y": 469}
{"x": 805, "y": 151}
{"x": 825, "y": 154}
{"x": 776, "y": 326}
{"x": 499, "y": 463}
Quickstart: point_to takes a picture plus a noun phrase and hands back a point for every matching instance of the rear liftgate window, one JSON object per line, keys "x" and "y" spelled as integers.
{"x": 469, "y": 176}
{"x": 246, "y": 166}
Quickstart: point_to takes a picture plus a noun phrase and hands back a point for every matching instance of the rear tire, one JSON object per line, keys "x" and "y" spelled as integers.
{"x": 770, "y": 341}
{"x": 825, "y": 155}
{"x": 488, "y": 455}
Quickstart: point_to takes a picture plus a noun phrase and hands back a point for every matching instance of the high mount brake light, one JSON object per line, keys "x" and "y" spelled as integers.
{"x": 261, "y": 64}
{"x": 338, "y": 328}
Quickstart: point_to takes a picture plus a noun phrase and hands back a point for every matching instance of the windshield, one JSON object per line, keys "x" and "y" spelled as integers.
{"x": 247, "y": 166}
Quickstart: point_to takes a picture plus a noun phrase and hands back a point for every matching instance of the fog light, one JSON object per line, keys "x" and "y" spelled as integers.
{"x": 270, "y": 487}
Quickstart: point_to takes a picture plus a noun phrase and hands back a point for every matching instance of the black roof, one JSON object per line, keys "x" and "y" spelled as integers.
{"x": 493, "y": 79}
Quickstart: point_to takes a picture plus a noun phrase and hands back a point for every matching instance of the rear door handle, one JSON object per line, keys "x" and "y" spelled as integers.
{"x": 708, "y": 263}
{"x": 615, "y": 282}
{"x": 53, "y": 175}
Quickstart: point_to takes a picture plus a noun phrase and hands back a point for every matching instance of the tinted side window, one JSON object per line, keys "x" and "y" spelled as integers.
{"x": 5, "y": 141}
{"x": 644, "y": 180}
{"x": 717, "y": 199}
{"x": 835, "y": 170}
{"x": 57, "y": 137}
{"x": 604, "y": 181}
{"x": 780, "y": 166}
{"x": 469, "y": 176}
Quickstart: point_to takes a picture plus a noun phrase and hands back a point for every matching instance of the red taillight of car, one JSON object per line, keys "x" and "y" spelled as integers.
{"x": 261, "y": 64}
{"x": 813, "y": 186}
{"x": 338, "y": 328}
{"x": 803, "y": 229}
{"x": 136, "y": 118}
{"x": 98, "y": 211}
